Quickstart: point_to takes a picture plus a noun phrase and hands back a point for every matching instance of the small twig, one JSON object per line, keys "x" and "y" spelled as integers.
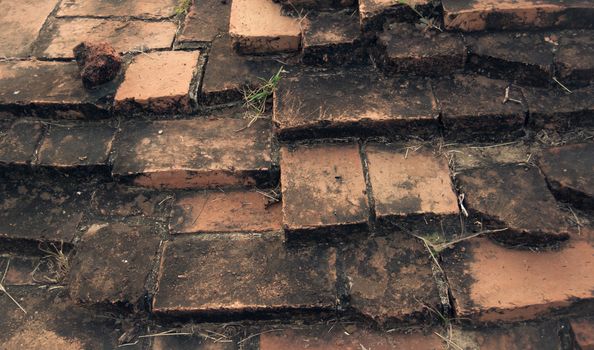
{"x": 493, "y": 146}
{"x": 257, "y": 334}
{"x": 577, "y": 221}
{"x": 448, "y": 341}
{"x": 461, "y": 202}
{"x": 560, "y": 84}
{"x": 163, "y": 334}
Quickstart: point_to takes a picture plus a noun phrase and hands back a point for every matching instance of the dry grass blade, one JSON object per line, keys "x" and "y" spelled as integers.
{"x": 2, "y": 289}
{"x": 255, "y": 99}
{"x": 58, "y": 263}
{"x": 428, "y": 22}
{"x": 449, "y": 341}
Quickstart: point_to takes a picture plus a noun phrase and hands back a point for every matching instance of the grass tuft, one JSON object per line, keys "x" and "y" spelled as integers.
{"x": 255, "y": 99}
{"x": 425, "y": 21}
{"x": 183, "y": 7}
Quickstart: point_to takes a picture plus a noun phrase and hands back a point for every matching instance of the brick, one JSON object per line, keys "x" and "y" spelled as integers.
{"x": 352, "y": 103}
{"x": 116, "y": 200}
{"x": 357, "y": 338}
{"x": 411, "y": 190}
{"x": 467, "y": 15}
{"x": 199, "y": 153}
{"x": 543, "y": 335}
{"x": 257, "y": 26}
{"x": 205, "y": 21}
{"x": 318, "y": 4}
{"x": 332, "y": 38}
{"x": 515, "y": 197}
{"x": 71, "y": 147}
{"x": 170, "y": 91}
{"x": 273, "y": 279}
{"x": 50, "y": 89}
{"x": 492, "y": 283}
{"x": 147, "y": 9}
{"x": 569, "y": 171}
{"x": 228, "y": 74}
{"x": 554, "y": 109}
{"x": 106, "y": 271}
{"x": 323, "y": 190}
{"x": 124, "y": 36}
{"x": 406, "y": 49}
{"x": 583, "y": 331}
{"x": 22, "y": 271}
{"x": 482, "y": 113}
{"x": 390, "y": 279}
{"x": 20, "y": 23}
{"x": 522, "y": 57}
{"x": 19, "y": 143}
{"x": 191, "y": 343}
{"x": 231, "y": 211}
{"x": 374, "y": 13}
{"x": 470, "y": 157}
{"x": 574, "y": 60}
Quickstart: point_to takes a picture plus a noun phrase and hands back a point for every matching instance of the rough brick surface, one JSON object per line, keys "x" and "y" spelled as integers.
{"x": 318, "y": 4}
{"x": 115, "y": 200}
{"x": 76, "y": 146}
{"x": 515, "y": 197}
{"x": 167, "y": 92}
{"x": 390, "y": 279}
{"x": 18, "y": 143}
{"x": 191, "y": 343}
{"x": 112, "y": 264}
{"x": 373, "y": 13}
{"x": 542, "y": 336}
{"x": 406, "y": 49}
{"x": 20, "y": 23}
{"x": 205, "y": 21}
{"x": 124, "y": 36}
{"x": 482, "y": 113}
{"x": 199, "y": 153}
{"x": 583, "y": 331}
{"x": 323, "y": 190}
{"x": 251, "y": 275}
{"x": 352, "y": 103}
{"x": 257, "y": 26}
{"x": 570, "y": 173}
{"x": 469, "y": 15}
{"x": 491, "y": 283}
{"x": 574, "y": 61}
{"x": 147, "y": 9}
{"x": 411, "y": 190}
{"x": 554, "y": 109}
{"x": 231, "y": 211}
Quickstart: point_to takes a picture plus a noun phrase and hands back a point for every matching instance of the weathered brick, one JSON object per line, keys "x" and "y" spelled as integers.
{"x": 570, "y": 173}
{"x": 205, "y": 21}
{"x": 170, "y": 91}
{"x": 19, "y": 143}
{"x": 273, "y": 278}
{"x": 112, "y": 264}
{"x": 406, "y": 49}
{"x": 515, "y": 197}
{"x": 542, "y": 336}
{"x": 489, "y": 155}
{"x": 192, "y": 342}
{"x": 124, "y": 36}
{"x": 523, "y": 57}
{"x": 317, "y": 4}
{"x": 146, "y": 9}
{"x": 117, "y": 200}
{"x": 323, "y": 191}
{"x": 332, "y": 38}
{"x": 50, "y": 89}
{"x": 76, "y": 146}
{"x": 257, "y": 26}
{"x": 481, "y": 114}
{"x": 583, "y": 331}
{"x": 470, "y": 15}
{"x": 22, "y": 271}
{"x": 411, "y": 190}
{"x": 352, "y": 103}
{"x": 374, "y": 13}
{"x": 492, "y": 283}
{"x": 198, "y": 153}
{"x": 574, "y": 61}
{"x": 555, "y": 109}
{"x": 231, "y": 211}
{"x": 390, "y": 279}
{"x": 20, "y": 23}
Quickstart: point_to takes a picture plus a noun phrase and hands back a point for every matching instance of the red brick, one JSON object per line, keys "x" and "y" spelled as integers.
{"x": 323, "y": 190}
{"x": 583, "y": 331}
{"x": 191, "y": 342}
{"x": 493, "y": 283}
{"x": 19, "y": 143}
{"x": 216, "y": 276}
{"x": 569, "y": 171}
{"x": 257, "y": 26}
{"x": 205, "y": 21}
{"x": 540, "y": 336}
{"x": 554, "y": 109}
{"x": 170, "y": 91}
{"x": 373, "y": 13}
{"x": 124, "y": 36}
{"x": 411, "y": 187}
{"x": 229, "y": 211}
{"x": 515, "y": 197}
{"x": 20, "y": 24}
{"x": 147, "y": 9}
{"x": 467, "y": 15}
{"x": 198, "y": 153}
{"x": 318, "y": 4}
{"x": 574, "y": 59}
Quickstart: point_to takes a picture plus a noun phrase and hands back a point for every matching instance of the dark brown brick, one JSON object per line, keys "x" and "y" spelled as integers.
{"x": 19, "y": 142}
{"x": 206, "y": 21}
{"x": 198, "y": 153}
{"x": 583, "y": 331}
{"x": 117, "y": 200}
{"x": 390, "y": 279}
{"x": 472, "y": 107}
{"x": 245, "y": 275}
{"x": 492, "y": 283}
{"x": 112, "y": 264}
{"x": 374, "y": 13}
{"x": 323, "y": 190}
{"x": 574, "y": 61}
{"x": 555, "y": 109}
{"x": 352, "y": 103}
{"x": 522, "y": 57}
{"x": 406, "y": 49}
{"x": 22, "y": 271}
{"x": 570, "y": 173}
{"x": 515, "y": 197}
